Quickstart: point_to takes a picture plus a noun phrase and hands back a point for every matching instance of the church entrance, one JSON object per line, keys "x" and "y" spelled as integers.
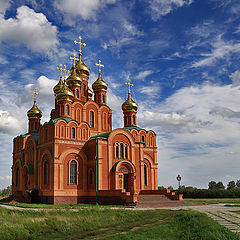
{"x": 124, "y": 176}
{"x": 125, "y": 182}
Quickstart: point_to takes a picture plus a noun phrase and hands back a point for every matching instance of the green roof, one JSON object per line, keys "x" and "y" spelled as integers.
{"x": 67, "y": 119}
{"x": 130, "y": 128}
{"x": 103, "y": 135}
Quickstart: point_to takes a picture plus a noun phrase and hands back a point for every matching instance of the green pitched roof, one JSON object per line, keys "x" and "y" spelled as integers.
{"x": 103, "y": 135}
{"x": 130, "y": 128}
{"x": 64, "y": 118}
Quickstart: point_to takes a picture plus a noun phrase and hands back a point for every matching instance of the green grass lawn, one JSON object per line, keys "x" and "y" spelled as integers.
{"x": 63, "y": 206}
{"x": 108, "y": 223}
{"x": 212, "y": 200}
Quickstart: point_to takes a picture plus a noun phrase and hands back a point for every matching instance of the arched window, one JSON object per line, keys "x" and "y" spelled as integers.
{"x": 145, "y": 174}
{"x": 143, "y": 139}
{"x": 103, "y": 98}
{"x": 134, "y": 120}
{"x": 91, "y": 176}
{"x": 117, "y": 151}
{"x": 92, "y": 119}
{"x": 121, "y": 150}
{"x": 77, "y": 93}
{"x": 73, "y": 132}
{"x": 126, "y": 152}
{"x": 17, "y": 176}
{"x": 45, "y": 173}
{"x": 73, "y": 172}
{"x": 67, "y": 110}
{"x": 84, "y": 90}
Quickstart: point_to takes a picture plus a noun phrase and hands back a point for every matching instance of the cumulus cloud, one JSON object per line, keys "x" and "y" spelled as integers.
{"x": 9, "y": 123}
{"x": 142, "y": 75}
{"x": 4, "y": 5}
{"x": 225, "y": 112}
{"x": 29, "y": 28}
{"x": 159, "y": 8}
{"x": 84, "y": 8}
{"x": 235, "y": 77}
{"x": 197, "y": 131}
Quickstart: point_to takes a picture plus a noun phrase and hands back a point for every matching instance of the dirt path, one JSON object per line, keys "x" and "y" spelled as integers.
{"x": 219, "y": 212}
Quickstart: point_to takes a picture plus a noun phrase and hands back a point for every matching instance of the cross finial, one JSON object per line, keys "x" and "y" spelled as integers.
{"x": 80, "y": 44}
{"x": 129, "y": 85}
{"x": 65, "y": 70}
{"x": 35, "y": 94}
{"x": 61, "y": 69}
{"x": 99, "y": 65}
{"x": 74, "y": 58}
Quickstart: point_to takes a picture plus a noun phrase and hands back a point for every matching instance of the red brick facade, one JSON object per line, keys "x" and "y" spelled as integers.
{"x": 76, "y": 156}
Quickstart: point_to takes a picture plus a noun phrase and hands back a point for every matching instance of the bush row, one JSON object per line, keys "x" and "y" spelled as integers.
{"x": 210, "y": 193}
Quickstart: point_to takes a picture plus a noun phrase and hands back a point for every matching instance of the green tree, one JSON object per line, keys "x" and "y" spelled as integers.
{"x": 212, "y": 185}
{"x": 238, "y": 184}
{"x": 220, "y": 185}
{"x": 231, "y": 185}
{"x": 6, "y": 191}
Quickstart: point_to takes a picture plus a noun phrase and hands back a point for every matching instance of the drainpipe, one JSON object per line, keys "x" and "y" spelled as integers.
{"x": 96, "y": 159}
{"x": 96, "y": 175}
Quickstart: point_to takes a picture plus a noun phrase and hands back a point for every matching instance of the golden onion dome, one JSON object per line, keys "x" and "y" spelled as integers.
{"x": 100, "y": 84}
{"x": 73, "y": 79}
{"x": 129, "y": 105}
{"x": 65, "y": 94}
{"x": 82, "y": 67}
{"x": 34, "y": 112}
{"x": 58, "y": 86}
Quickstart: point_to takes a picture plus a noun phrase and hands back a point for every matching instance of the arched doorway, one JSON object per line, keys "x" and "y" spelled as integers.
{"x": 124, "y": 176}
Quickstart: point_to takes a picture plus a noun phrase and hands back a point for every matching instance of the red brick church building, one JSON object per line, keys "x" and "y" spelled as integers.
{"x": 76, "y": 157}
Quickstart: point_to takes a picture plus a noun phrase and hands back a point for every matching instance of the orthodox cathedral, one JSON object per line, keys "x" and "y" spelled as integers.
{"x": 76, "y": 157}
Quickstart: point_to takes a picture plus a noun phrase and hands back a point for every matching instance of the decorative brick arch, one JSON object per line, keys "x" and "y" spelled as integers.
{"x": 65, "y": 157}
{"x": 45, "y": 156}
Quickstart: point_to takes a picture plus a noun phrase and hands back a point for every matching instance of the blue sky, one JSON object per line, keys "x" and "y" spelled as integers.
{"x": 181, "y": 55}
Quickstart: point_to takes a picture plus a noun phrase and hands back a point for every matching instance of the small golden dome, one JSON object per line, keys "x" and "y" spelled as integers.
{"x": 65, "y": 94}
{"x": 74, "y": 79}
{"x": 129, "y": 105}
{"x": 82, "y": 67}
{"x": 100, "y": 84}
{"x": 58, "y": 86}
{"x": 34, "y": 112}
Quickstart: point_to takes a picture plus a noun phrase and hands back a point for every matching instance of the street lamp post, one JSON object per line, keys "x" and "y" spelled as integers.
{"x": 179, "y": 179}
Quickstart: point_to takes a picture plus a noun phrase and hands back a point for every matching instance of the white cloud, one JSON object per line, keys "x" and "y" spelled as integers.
{"x": 29, "y": 28}
{"x": 159, "y": 8}
{"x": 8, "y": 123}
{"x": 142, "y": 75}
{"x": 235, "y": 78}
{"x": 84, "y": 8}
{"x": 198, "y": 133}
{"x": 151, "y": 91}
{"x": 4, "y": 5}
{"x": 219, "y": 49}
{"x": 5, "y": 177}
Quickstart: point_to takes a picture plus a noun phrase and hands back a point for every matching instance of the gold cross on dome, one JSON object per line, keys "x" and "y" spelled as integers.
{"x": 80, "y": 44}
{"x": 129, "y": 85}
{"x": 99, "y": 65}
{"x": 35, "y": 94}
{"x": 61, "y": 69}
{"x": 74, "y": 58}
{"x": 65, "y": 70}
